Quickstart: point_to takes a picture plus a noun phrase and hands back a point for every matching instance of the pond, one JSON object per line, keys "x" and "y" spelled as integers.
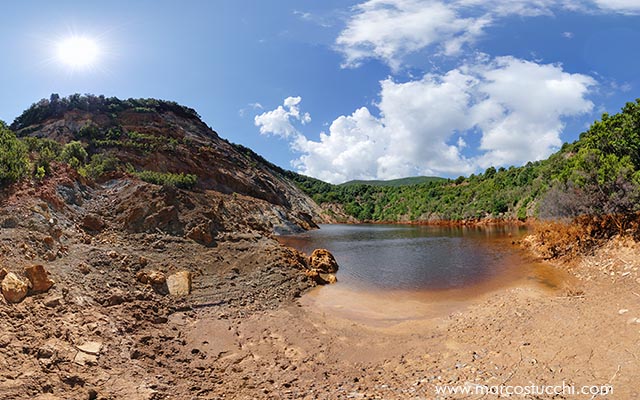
{"x": 386, "y": 268}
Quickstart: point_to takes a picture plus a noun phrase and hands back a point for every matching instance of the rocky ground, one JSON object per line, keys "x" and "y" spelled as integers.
{"x": 245, "y": 333}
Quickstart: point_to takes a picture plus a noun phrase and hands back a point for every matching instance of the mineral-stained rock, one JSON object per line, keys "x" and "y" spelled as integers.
{"x": 323, "y": 261}
{"x": 321, "y": 278}
{"x": 14, "y": 289}
{"x": 328, "y": 278}
{"x": 201, "y": 234}
{"x": 151, "y": 277}
{"x": 39, "y": 278}
{"x": 92, "y": 223}
{"x": 179, "y": 284}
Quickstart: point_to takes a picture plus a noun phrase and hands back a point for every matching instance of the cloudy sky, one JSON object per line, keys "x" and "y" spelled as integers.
{"x": 344, "y": 90}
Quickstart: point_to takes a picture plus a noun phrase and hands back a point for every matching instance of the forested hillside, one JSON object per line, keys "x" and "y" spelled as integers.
{"x": 598, "y": 174}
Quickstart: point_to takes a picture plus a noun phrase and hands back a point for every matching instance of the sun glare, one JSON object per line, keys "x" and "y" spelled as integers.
{"x": 77, "y": 52}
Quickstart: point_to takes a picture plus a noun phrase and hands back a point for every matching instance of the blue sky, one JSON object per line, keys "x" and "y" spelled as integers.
{"x": 346, "y": 89}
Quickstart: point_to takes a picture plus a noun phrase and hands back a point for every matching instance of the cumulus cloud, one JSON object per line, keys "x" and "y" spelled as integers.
{"x": 389, "y": 30}
{"x": 280, "y": 121}
{"x": 422, "y": 127}
{"x": 622, "y": 6}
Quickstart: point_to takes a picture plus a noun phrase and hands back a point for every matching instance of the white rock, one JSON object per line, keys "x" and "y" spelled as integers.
{"x": 90, "y": 347}
{"x": 623, "y": 311}
{"x": 179, "y": 284}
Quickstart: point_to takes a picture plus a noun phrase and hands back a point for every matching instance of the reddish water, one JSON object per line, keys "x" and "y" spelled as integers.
{"x": 398, "y": 272}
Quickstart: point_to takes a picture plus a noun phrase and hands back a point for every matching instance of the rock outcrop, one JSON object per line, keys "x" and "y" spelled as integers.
{"x": 323, "y": 261}
{"x": 322, "y": 267}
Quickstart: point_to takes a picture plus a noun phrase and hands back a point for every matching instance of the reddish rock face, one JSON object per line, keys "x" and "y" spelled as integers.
{"x": 14, "y": 289}
{"x": 39, "y": 278}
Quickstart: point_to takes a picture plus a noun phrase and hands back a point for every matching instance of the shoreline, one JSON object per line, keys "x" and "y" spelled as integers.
{"x": 248, "y": 330}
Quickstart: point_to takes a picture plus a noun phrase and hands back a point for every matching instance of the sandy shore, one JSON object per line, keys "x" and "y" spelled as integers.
{"x": 581, "y": 333}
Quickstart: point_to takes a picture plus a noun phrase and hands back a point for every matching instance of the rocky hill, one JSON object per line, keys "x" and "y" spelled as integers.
{"x": 132, "y": 218}
{"x": 146, "y": 136}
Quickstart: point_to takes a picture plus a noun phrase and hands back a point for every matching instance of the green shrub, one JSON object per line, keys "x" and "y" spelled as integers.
{"x": 43, "y": 153}
{"x": 14, "y": 159}
{"x": 181, "y": 180}
{"x": 40, "y": 173}
{"x": 99, "y": 165}
{"x": 74, "y": 154}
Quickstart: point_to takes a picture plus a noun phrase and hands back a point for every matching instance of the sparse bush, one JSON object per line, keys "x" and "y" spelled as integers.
{"x": 99, "y": 165}
{"x": 74, "y": 154}
{"x": 181, "y": 180}
{"x": 43, "y": 153}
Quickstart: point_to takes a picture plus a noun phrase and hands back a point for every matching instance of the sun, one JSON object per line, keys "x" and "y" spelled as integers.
{"x": 77, "y": 52}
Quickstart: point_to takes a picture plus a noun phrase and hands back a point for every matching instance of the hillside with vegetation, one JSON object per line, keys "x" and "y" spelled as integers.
{"x": 414, "y": 180}
{"x": 596, "y": 175}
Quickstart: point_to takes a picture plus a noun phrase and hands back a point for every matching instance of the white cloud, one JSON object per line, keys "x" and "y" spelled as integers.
{"x": 516, "y": 107}
{"x": 622, "y": 6}
{"x": 568, "y": 35}
{"x": 522, "y": 108}
{"x": 280, "y": 121}
{"x": 389, "y": 30}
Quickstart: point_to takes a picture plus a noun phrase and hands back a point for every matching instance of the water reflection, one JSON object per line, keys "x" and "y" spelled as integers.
{"x": 405, "y": 257}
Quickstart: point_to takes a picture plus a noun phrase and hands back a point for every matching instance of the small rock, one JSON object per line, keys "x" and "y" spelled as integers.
{"x": 143, "y": 261}
{"x": 321, "y": 278}
{"x": 14, "y": 289}
{"x": 153, "y": 278}
{"x": 39, "y": 278}
{"x": 201, "y": 234}
{"x": 116, "y": 297}
{"x": 623, "y": 311}
{"x": 113, "y": 254}
{"x": 84, "y": 269}
{"x": 179, "y": 284}
{"x": 93, "y": 394}
{"x": 93, "y": 223}
{"x": 633, "y": 321}
{"x": 49, "y": 241}
{"x": 53, "y": 301}
{"x": 90, "y": 347}
{"x": 329, "y": 278}
{"x": 82, "y": 358}
{"x": 3, "y": 273}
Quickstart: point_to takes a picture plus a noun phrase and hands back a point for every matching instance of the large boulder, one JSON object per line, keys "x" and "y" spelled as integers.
{"x": 179, "y": 284}
{"x": 39, "y": 278}
{"x": 323, "y": 262}
{"x": 14, "y": 289}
